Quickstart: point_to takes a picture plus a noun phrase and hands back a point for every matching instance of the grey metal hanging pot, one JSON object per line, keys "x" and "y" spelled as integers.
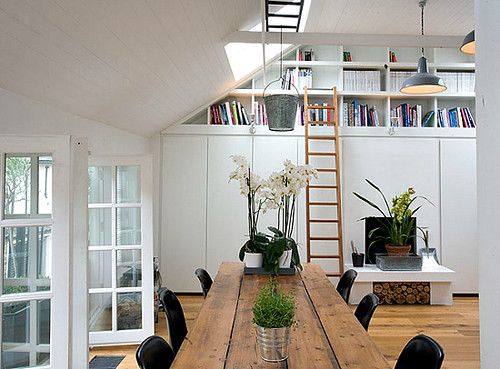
{"x": 281, "y": 108}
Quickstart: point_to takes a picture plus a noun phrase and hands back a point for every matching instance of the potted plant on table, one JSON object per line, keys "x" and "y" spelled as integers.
{"x": 398, "y": 220}
{"x": 273, "y": 315}
{"x": 251, "y": 187}
{"x": 283, "y": 189}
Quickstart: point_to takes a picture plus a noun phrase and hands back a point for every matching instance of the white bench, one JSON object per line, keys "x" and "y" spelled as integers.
{"x": 439, "y": 277}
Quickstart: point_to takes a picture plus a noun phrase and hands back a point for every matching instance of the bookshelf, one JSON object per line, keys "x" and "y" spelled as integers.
{"x": 329, "y": 69}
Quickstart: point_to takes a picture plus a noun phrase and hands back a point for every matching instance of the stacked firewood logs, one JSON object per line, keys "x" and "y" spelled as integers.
{"x": 403, "y": 292}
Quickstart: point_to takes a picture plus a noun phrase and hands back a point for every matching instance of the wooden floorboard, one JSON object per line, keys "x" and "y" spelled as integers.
{"x": 455, "y": 327}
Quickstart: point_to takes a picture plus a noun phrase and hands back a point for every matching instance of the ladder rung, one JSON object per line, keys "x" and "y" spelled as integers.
{"x": 333, "y": 138}
{"x": 324, "y": 238}
{"x": 322, "y": 153}
{"x": 323, "y": 203}
{"x": 320, "y": 107}
{"x": 326, "y": 170}
{"x": 322, "y": 186}
{"x": 324, "y": 256}
{"x": 333, "y": 274}
{"x": 323, "y": 220}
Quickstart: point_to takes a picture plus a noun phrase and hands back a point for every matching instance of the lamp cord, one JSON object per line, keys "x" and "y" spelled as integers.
{"x": 281, "y": 53}
{"x": 422, "y": 6}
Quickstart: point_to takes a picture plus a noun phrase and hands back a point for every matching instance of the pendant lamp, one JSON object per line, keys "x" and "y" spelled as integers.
{"x": 469, "y": 44}
{"x": 423, "y": 82}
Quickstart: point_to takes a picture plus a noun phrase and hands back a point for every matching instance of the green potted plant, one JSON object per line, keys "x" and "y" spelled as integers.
{"x": 273, "y": 315}
{"x": 251, "y": 187}
{"x": 398, "y": 220}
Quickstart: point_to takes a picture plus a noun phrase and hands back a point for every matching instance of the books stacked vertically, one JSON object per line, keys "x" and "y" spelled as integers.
{"x": 228, "y": 113}
{"x": 392, "y": 57}
{"x": 304, "y": 78}
{"x": 458, "y": 82}
{"x": 455, "y": 118}
{"x": 259, "y": 109}
{"x": 397, "y": 78}
{"x": 347, "y": 56}
{"x": 359, "y": 115}
{"x": 305, "y": 55}
{"x": 362, "y": 80}
{"x": 318, "y": 114}
{"x": 291, "y": 77}
{"x": 405, "y": 115}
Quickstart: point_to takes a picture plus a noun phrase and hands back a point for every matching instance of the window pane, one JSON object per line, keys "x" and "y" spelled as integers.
{"x": 100, "y": 312}
{"x": 100, "y": 269}
{"x": 128, "y": 184}
{"x": 17, "y": 185}
{"x": 16, "y": 329}
{"x": 45, "y": 185}
{"x": 100, "y": 185}
{"x": 27, "y": 259}
{"x": 128, "y": 268}
{"x": 128, "y": 226}
{"x": 99, "y": 227}
{"x": 129, "y": 310}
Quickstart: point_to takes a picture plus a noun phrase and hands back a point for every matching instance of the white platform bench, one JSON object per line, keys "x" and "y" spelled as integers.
{"x": 439, "y": 277}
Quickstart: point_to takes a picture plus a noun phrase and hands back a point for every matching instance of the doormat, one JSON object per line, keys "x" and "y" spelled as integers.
{"x": 105, "y": 362}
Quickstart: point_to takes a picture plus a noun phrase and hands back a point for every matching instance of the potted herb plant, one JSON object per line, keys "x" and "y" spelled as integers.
{"x": 283, "y": 188}
{"x": 398, "y": 220}
{"x": 251, "y": 187}
{"x": 273, "y": 315}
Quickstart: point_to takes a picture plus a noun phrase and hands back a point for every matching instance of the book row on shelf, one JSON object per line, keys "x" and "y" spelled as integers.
{"x": 456, "y": 82}
{"x": 405, "y": 115}
{"x": 305, "y": 55}
{"x": 359, "y": 115}
{"x": 234, "y": 114}
{"x": 458, "y": 117}
{"x": 299, "y": 77}
{"x": 362, "y": 80}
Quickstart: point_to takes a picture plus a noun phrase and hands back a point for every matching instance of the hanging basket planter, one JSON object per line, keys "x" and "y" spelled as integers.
{"x": 281, "y": 108}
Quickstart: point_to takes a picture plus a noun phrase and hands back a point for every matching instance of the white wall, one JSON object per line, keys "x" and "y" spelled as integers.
{"x": 488, "y": 176}
{"x": 21, "y": 115}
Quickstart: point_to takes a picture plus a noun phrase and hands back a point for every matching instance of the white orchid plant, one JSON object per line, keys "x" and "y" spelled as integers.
{"x": 279, "y": 192}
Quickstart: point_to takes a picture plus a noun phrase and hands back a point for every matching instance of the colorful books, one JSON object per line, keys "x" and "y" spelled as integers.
{"x": 405, "y": 115}
{"x": 459, "y": 117}
{"x": 347, "y": 56}
{"x": 359, "y": 115}
{"x": 229, "y": 113}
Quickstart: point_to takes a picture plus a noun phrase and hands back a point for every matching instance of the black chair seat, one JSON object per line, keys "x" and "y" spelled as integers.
{"x": 176, "y": 322}
{"x": 365, "y": 309}
{"x": 205, "y": 280}
{"x": 154, "y": 353}
{"x": 421, "y": 352}
{"x": 345, "y": 284}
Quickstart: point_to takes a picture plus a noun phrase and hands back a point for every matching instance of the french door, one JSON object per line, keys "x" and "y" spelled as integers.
{"x": 120, "y": 250}
{"x": 34, "y": 252}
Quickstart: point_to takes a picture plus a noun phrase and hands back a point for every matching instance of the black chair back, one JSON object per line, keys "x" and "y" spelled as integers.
{"x": 345, "y": 284}
{"x": 154, "y": 353}
{"x": 176, "y": 322}
{"x": 421, "y": 352}
{"x": 205, "y": 280}
{"x": 365, "y": 309}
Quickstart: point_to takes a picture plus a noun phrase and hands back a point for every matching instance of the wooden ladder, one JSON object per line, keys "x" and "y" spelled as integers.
{"x": 334, "y": 223}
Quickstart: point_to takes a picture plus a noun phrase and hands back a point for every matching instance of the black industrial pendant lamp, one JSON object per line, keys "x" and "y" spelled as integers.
{"x": 423, "y": 82}
{"x": 469, "y": 44}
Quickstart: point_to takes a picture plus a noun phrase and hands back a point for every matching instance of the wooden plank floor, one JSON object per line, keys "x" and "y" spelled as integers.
{"x": 455, "y": 327}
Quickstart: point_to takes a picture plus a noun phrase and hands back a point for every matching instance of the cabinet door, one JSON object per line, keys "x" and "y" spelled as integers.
{"x": 393, "y": 165}
{"x": 459, "y": 209}
{"x": 227, "y": 209}
{"x": 268, "y": 156}
{"x": 183, "y": 247}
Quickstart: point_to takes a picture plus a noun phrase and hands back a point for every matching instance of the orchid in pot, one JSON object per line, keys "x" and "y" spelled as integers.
{"x": 252, "y": 188}
{"x": 398, "y": 221}
{"x": 283, "y": 188}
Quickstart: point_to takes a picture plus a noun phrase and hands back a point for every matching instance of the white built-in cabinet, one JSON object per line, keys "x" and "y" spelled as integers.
{"x": 204, "y": 216}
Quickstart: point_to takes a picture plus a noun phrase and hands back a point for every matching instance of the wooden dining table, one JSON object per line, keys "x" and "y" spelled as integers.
{"x": 326, "y": 334}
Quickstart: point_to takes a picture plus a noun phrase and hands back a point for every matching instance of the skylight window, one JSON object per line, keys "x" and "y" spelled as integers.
{"x": 245, "y": 58}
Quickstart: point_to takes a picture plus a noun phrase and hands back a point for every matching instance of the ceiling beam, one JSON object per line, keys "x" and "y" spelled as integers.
{"x": 308, "y": 38}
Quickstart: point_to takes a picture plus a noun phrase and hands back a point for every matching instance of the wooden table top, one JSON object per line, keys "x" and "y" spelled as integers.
{"x": 326, "y": 335}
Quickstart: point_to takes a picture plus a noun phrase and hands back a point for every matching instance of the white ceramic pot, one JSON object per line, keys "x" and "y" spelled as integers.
{"x": 252, "y": 260}
{"x": 286, "y": 259}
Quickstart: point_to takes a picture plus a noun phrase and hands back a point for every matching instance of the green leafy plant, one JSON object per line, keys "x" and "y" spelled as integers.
{"x": 258, "y": 243}
{"x": 273, "y": 307}
{"x": 278, "y": 243}
{"x": 398, "y": 221}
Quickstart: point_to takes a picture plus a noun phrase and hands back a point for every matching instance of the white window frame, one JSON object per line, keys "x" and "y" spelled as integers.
{"x": 59, "y": 148}
{"x": 132, "y": 336}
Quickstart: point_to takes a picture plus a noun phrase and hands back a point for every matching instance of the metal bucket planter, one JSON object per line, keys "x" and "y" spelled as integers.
{"x": 273, "y": 343}
{"x": 281, "y": 108}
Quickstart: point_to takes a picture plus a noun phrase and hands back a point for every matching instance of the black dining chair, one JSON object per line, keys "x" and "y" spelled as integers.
{"x": 176, "y": 322}
{"x": 345, "y": 284}
{"x": 421, "y": 352}
{"x": 365, "y": 309}
{"x": 205, "y": 280}
{"x": 154, "y": 353}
